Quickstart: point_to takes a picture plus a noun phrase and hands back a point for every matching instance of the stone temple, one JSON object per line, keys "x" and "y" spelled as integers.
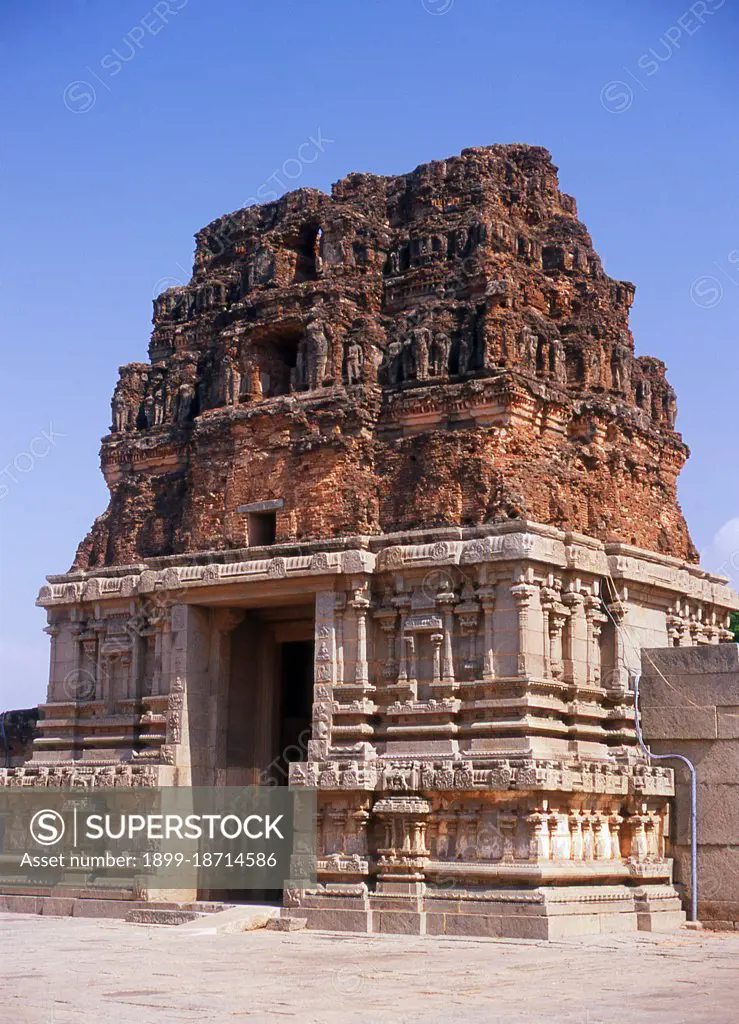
{"x": 392, "y": 512}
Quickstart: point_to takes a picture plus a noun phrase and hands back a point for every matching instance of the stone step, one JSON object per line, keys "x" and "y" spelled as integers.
{"x": 287, "y": 924}
{"x": 246, "y": 917}
{"x": 175, "y": 916}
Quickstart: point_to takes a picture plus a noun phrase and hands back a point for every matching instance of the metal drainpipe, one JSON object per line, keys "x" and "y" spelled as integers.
{"x": 693, "y": 800}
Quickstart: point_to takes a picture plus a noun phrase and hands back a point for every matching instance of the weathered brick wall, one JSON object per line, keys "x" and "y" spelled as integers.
{"x": 690, "y": 706}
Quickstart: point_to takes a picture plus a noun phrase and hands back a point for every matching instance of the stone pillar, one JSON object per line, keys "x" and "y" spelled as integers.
{"x": 522, "y": 595}
{"x": 387, "y": 618}
{"x": 134, "y": 676}
{"x": 436, "y": 640}
{"x": 360, "y": 603}
{"x": 339, "y": 609}
{"x": 487, "y": 598}
{"x": 558, "y": 616}
{"x": 576, "y": 639}
{"x": 402, "y": 602}
{"x": 225, "y": 620}
{"x": 617, "y": 684}
{"x": 447, "y": 599}
{"x": 468, "y": 613}
{"x": 594, "y": 624}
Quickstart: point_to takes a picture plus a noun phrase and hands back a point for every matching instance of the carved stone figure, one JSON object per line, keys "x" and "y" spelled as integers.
{"x": 620, "y": 367}
{"x": 421, "y": 343}
{"x": 185, "y": 402}
{"x": 557, "y": 363}
{"x": 394, "y": 359}
{"x": 159, "y": 396}
{"x": 669, "y": 407}
{"x": 121, "y": 413}
{"x": 316, "y": 353}
{"x": 441, "y": 348}
{"x": 232, "y": 381}
{"x": 465, "y": 354}
{"x": 148, "y": 410}
{"x": 528, "y": 344}
{"x": 408, "y": 366}
{"x": 354, "y": 362}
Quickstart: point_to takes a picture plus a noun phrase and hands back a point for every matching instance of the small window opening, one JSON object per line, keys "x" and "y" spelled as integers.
{"x": 262, "y": 528}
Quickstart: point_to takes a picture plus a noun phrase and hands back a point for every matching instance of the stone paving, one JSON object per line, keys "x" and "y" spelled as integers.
{"x": 66, "y": 971}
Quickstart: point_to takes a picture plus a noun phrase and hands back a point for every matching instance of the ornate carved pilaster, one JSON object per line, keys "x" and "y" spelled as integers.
{"x": 403, "y": 603}
{"x": 487, "y": 599}
{"x": 446, "y": 599}
{"x": 161, "y": 624}
{"x": 575, "y": 639}
{"x": 437, "y": 639}
{"x": 386, "y": 617}
{"x": 522, "y": 595}
{"x": 360, "y": 602}
{"x": 558, "y": 616}
{"x": 615, "y": 821}
{"x": 468, "y": 613}
{"x": 594, "y": 619}
{"x": 576, "y": 839}
{"x": 617, "y": 683}
{"x": 539, "y": 839}
{"x": 339, "y": 612}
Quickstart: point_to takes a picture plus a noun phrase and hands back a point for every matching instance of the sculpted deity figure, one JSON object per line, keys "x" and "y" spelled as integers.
{"x": 441, "y": 348}
{"x": 527, "y": 347}
{"x": 669, "y": 407}
{"x": 408, "y": 365}
{"x": 557, "y": 363}
{"x": 159, "y": 397}
{"x": 395, "y": 263}
{"x": 421, "y": 343}
{"x": 465, "y": 354}
{"x": 148, "y": 407}
{"x": 232, "y": 380}
{"x": 354, "y": 362}
{"x": 121, "y": 413}
{"x": 394, "y": 359}
{"x": 620, "y": 367}
{"x": 185, "y": 402}
{"x": 316, "y": 353}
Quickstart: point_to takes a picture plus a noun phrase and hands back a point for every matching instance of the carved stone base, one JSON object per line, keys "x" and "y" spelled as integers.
{"x": 542, "y": 913}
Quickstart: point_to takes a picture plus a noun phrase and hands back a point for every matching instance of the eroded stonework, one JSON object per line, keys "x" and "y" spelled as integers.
{"x": 441, "y": 347}
{"x": 393, "y": 512}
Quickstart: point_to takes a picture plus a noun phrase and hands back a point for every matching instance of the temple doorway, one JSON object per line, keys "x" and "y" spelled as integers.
{"x": 270, "y": 695}
{"x": 268, "y": 708}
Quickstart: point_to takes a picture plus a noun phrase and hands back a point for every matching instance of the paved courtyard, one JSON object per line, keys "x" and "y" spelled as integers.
{"x": 67, "y": 971}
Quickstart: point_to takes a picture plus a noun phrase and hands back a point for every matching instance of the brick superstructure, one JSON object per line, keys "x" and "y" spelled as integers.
{"x": 438, "y": 348}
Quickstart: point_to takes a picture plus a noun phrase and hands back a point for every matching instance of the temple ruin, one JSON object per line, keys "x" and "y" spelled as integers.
{"x": 388, "y": 484}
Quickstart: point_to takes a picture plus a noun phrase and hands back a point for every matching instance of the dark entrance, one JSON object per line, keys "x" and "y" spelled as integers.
{"x": 270, "y": 700}
{"x": 296, "y": 702}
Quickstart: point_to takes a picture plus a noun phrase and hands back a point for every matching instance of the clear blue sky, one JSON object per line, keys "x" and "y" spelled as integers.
{"x": 129, "y": 125}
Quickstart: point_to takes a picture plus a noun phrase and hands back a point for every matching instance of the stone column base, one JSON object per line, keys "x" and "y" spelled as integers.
{"x": 542, "y": 913}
